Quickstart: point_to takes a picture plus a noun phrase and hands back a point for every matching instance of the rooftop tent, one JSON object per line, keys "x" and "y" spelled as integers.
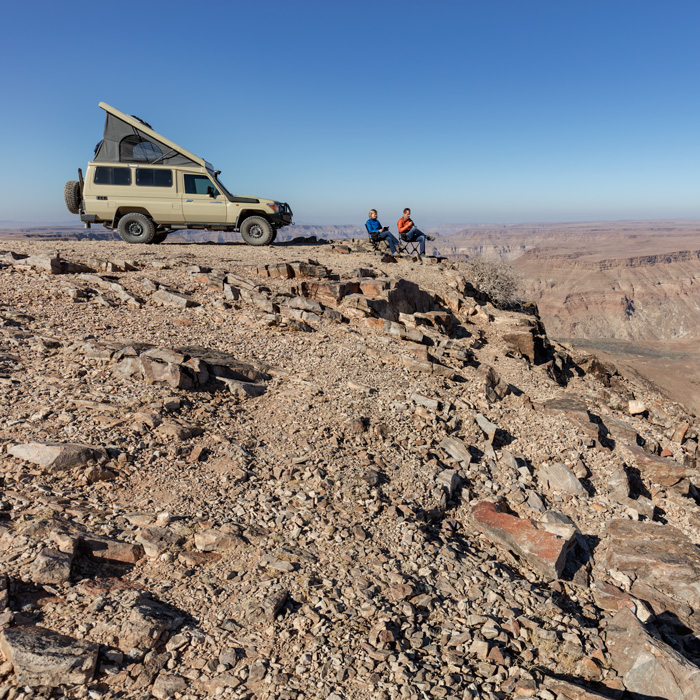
{"x": 129, "y": 140}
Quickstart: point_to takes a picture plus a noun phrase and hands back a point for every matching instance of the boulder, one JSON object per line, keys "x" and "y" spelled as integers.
{"x": 663, "y": 562}
{"x": 51, "y": 566}
{"x": 42, "y": 657}
{"x": 214, "y": 540}
{"x": 156, "y": 540}
{"x": 620, "y": 431}
{"x": 147, "y": 623}
{"x": 55, "y": 457}
{"x": 526, "y": 344}
{"x": 167, "y": 684}
{"x": 649, "y": 667}
{"x": 175, "y": 375}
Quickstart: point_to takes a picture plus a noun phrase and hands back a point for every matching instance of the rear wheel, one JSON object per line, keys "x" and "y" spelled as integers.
{"x": 71, "y": 193}
{"x": 136, "y": 228}
{"x": 257, "y": 231}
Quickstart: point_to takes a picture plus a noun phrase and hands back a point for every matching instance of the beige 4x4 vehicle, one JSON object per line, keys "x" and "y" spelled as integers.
{"x": 145, "y": 186}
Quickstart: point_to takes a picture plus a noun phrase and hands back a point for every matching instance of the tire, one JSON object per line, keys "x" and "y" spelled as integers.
{"x": 136, "y": 228}
{"x": 71, "y": 193}
{"x": 257, "y": 231}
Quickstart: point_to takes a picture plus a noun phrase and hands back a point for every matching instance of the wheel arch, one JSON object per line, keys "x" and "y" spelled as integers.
{"x": 247, "y": 213}
{"x": 130, "y": 210}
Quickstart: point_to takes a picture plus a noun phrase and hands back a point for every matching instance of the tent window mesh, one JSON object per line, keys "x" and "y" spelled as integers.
{"x": 134, "y": 149}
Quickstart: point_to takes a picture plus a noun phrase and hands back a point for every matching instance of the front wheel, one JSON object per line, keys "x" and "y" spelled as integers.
{"x": 257, "y": 231}
{"x": 136, "y": 228}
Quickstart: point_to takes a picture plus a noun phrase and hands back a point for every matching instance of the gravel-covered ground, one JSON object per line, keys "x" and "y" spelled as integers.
{"x": 302, "y": 525}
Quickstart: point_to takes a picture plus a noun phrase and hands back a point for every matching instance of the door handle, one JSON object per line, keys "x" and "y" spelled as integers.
{"x": 189, "y": 200}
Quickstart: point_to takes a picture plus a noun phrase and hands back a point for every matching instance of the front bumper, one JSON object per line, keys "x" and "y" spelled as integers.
{"x": 283, "y": 216}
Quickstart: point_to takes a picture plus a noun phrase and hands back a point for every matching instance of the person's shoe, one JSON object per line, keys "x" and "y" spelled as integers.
{"x": 430, "y": 238}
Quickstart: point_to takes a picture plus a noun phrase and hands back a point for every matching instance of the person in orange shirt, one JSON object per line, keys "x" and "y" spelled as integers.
{"x": 409, "y": 232}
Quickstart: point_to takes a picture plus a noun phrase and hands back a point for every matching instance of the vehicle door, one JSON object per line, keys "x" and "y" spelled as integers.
{"x": 202, "y": 202}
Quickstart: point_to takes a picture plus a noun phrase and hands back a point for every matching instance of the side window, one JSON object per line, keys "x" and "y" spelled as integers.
{"x": 199, "y": 184}
{"x": 150, "y": 177}
{"x": 112, "y": 176}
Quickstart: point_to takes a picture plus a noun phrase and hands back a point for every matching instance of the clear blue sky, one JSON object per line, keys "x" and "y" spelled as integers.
{"x": 480, "y": 110}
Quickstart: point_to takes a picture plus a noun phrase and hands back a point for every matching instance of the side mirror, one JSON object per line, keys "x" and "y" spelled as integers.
{"x": 211, "y": 192}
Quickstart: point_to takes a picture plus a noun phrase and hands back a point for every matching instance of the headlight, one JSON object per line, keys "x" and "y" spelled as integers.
{"x": 274, "y": 206}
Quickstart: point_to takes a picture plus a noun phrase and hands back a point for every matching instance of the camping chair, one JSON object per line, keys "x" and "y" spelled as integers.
{"x": 378, "y": 244}
{"x": 410, "y": 247}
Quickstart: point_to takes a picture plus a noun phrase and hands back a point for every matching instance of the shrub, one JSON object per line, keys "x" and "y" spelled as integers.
{"x": 496, "y": 278}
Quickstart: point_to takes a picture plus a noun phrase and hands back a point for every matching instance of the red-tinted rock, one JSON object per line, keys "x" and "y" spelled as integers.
{"x": 374, "y": 287}
{"x": 544, "y": 551}
{"x": 111, "y": 550}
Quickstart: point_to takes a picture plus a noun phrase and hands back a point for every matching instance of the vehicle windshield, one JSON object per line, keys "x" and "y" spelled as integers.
{"x": 220, "y": 184}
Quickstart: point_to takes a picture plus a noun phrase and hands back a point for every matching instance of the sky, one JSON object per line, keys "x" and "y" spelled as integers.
{"x": 464, "y": 111}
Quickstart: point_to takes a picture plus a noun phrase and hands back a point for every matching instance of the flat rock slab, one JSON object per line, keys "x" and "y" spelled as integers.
{"x": 576, "y": 411}
{"x": 660, "y": 559}
{"x": 42, "y": 657}
{"x": 489, "y": 429}
{"x": 649, "y": 667}
{"x": 544, "y": 551}
{"x": 109, "y": 550}
{"x": 568, "y": 405}
{"x": 558, "y": 477}
{"x": 569, "y": 691}
{"x": 55, "y": 456}
{"x": 661, "y": 470}
{"x": 457, "y": 449}
{"x": 180, "y": 301}
{"x": 620, "y": 430}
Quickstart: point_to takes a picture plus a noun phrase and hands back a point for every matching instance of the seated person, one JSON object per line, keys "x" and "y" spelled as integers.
{"x": 409, "y": 232}
{"x": 379, "y": 232}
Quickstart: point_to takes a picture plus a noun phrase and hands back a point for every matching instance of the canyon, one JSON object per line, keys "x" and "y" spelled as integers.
{"x": 629, "y": 291}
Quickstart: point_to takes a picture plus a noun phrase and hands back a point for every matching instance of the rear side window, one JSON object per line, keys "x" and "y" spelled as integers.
{"x": 150, "y": 177}
{"x": 199, "y": 184}
{"x": 112, "y": 176}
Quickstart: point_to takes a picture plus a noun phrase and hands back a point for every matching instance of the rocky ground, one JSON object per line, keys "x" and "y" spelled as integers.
{"x": 313, "y": 472}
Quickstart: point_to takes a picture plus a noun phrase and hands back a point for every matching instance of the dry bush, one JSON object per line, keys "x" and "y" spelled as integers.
{"x": 496, "y": 278}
